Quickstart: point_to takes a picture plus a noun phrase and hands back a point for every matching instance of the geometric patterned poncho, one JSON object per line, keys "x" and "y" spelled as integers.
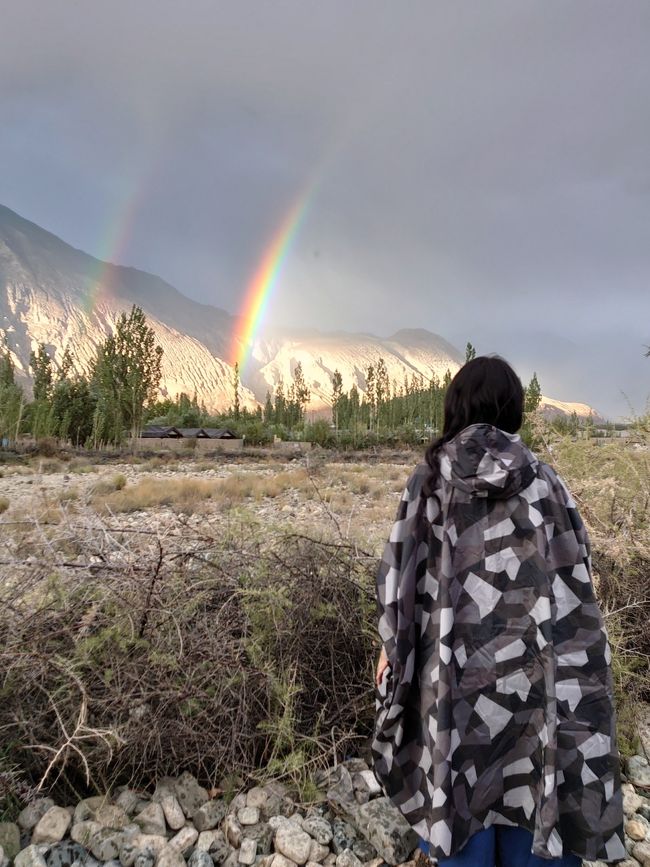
{"x": 497, "y": 707}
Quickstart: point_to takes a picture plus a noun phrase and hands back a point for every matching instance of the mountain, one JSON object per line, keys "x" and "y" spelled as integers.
{"x": 553, "y": 408}
{"x": 406, "y": 353}
{"x": 54, "y": 294}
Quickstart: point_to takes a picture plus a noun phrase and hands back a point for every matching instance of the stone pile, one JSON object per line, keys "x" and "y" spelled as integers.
{"x": 180, "y": 825}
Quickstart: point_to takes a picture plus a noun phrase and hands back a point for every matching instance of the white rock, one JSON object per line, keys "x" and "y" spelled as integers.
{"x": 317, "y": 852}
{"x": 276, "y": 822}
{"x": 248, "y": 852}
{"x": 138, "y": 842}
{"x": 173, "y": 812}
{"x": 30, "y": 857}
{"x": 631, "y": 800}
{"x": 87, "y": 808}
{"x": 248, "y": 815}
{"x": 4, "y": 861}
{"x": 152, "y": 820}
{"x": 111, "y": 816}
{"x": 318, "y": 828}
{"x": 29, "y": 817}
{"x": 347, "y": 858}
{"x": 641, "y": 852}
{"x": 237, "y": 803}
{"x": 370, "y": 782}
{"x": 280, "y": 861}
{"x": 256, "y": 797}
{"x": 209, "y": 815}
{"x": 293, "y": 843}
{"x": 233, "y": 831}
{"x": 106, "y": 844}
{"x": 184, "y": 840}
{"x": 52, "y": 827}
{"x": 206, "y": 839}
{"x": 638, "y": 770}
{"x": 170, "y": 858}
{"x": 83, "y": 832}
{"x": 127, "y": 800}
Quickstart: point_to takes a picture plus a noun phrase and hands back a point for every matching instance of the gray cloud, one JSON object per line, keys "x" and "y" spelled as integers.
{"x": 481, "y": 170}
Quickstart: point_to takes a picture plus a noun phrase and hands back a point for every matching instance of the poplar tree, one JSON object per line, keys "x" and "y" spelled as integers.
{"x": 11, "y": 399}
{"x": 533, "y": 396}
{"x": 370, "y": 394}
{"x": 337, "y": 393}
{"x": 41, "y": 365}
{"x": 126, "y": 376}
{"x": 301, "y": 393}
{"x": 42, "y": 421}
{"x": 470, "y": 352}
{"x": 235, "y": 385}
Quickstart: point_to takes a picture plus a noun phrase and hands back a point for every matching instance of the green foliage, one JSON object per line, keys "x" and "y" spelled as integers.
{"x": 73, "y": 409}
{"x": 470, "y": 352}
{"x": 41, "y": 366}
{"x": 126, "y": 375}
{"x": 11, "y": 399}
{"x": 533, "y": 396}
{"x": 337, "y": 394}
{"x": 321, "y": 433}
{"x": 235, "y": 386}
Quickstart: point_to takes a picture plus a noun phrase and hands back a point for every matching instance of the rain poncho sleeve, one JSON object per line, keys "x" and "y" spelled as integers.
{"x": 497, "y": 707}
{"x": 395, "y": 596}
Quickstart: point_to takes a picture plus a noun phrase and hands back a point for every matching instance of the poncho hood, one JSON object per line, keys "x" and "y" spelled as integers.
{"x": 484, "y": 461}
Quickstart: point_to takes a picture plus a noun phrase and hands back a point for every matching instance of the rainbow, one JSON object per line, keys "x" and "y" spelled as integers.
{"x": 115, "y": 240}
{"x": 265, "y": 279}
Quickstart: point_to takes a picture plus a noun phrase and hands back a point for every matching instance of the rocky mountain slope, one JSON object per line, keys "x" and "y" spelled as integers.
{"x": 54, "y": 294}
{"x": 60, "y": 296}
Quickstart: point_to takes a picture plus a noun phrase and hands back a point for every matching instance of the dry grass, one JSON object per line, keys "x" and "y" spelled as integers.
{"x": 240, "y": 487}
{"x": 182, "y": 494}
{"x": 610, "y": 482}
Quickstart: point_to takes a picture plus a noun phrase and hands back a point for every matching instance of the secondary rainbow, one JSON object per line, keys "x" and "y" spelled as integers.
{"x": 117, "y": 235}
{"x": 265, "y": 279}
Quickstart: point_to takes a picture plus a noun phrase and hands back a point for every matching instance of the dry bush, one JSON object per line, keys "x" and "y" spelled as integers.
{"x": 182, "y": 494}
{"x": 80, "y": 465}
{"x": 242, "y": 486}
{"x": 4, "y": 504}
{"x": 610, "y": 481}
{"x": 129, "y": 655}
{"x": 49, "y": 465}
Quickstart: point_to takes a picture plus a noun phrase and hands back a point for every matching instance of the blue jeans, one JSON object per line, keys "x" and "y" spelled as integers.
{"x": 502, "y": 846}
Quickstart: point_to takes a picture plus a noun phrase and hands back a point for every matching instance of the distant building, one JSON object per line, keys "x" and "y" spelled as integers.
{"x": 168, "y": 436}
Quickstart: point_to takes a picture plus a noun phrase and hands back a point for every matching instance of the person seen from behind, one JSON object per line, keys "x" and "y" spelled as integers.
{"x": 495, "y": 728}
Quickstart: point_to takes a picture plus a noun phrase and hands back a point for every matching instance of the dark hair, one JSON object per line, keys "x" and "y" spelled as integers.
{"x": 486, "y": 390}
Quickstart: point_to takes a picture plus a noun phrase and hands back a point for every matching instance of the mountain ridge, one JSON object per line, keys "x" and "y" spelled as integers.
{"x": 59, "y": 295}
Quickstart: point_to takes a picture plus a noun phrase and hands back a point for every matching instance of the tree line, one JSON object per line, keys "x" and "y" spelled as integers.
{"x": 88, "y": 410}
{"x": 120, "y": 393}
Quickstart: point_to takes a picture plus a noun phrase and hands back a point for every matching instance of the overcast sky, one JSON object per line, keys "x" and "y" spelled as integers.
{"x": 478, "y": 169}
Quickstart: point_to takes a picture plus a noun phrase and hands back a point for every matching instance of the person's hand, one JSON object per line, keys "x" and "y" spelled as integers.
{"x": 382, "y": 665}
